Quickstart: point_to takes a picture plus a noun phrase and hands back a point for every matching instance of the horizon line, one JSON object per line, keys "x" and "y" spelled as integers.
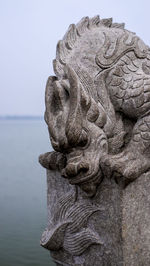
{"x": 2, "y": 117}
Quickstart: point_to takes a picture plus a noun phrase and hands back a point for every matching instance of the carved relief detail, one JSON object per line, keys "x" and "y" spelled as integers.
{"x": 69, "y": 228}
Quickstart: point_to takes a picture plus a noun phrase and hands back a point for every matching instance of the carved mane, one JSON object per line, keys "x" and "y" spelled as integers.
{"x": 109, "y": 43}
{"x": 74, "y": 33}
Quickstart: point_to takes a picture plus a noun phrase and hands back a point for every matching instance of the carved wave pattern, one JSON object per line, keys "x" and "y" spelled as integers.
{"x": 70, "y": 230}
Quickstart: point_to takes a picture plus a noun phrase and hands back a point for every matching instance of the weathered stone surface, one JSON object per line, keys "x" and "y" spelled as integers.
{"x": 97, "y": 112}
{"x": 136, "y": 222}
{"x": 104, "y": 223}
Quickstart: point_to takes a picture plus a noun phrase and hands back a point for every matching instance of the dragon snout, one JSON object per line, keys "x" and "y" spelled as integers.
{"x": 87, "y": 175}
{"x": 74, "y": 169}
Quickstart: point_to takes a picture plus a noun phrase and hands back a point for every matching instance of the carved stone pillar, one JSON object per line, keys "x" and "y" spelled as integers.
{"x": 97, "y": 112}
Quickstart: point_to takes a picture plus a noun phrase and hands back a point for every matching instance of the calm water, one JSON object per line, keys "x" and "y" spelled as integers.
{"x": 23, "y": 212}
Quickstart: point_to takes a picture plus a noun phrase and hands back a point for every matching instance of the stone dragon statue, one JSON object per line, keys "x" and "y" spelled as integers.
{"x": 98, "y": 105}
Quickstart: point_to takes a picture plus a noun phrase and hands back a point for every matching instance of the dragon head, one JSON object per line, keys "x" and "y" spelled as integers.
{"x": 76, "y": 126}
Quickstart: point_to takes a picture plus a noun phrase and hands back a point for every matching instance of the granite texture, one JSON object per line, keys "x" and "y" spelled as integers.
{"x": 136, "y": 222}
{"x": 98, "y": 117}
{"x": 105, "y": 222}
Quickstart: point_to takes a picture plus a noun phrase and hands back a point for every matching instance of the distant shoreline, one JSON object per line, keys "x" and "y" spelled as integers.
{"x": 21, "y": 117}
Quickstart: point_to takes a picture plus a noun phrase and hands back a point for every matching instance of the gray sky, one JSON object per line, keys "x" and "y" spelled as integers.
{"x": 30, "y": 30}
